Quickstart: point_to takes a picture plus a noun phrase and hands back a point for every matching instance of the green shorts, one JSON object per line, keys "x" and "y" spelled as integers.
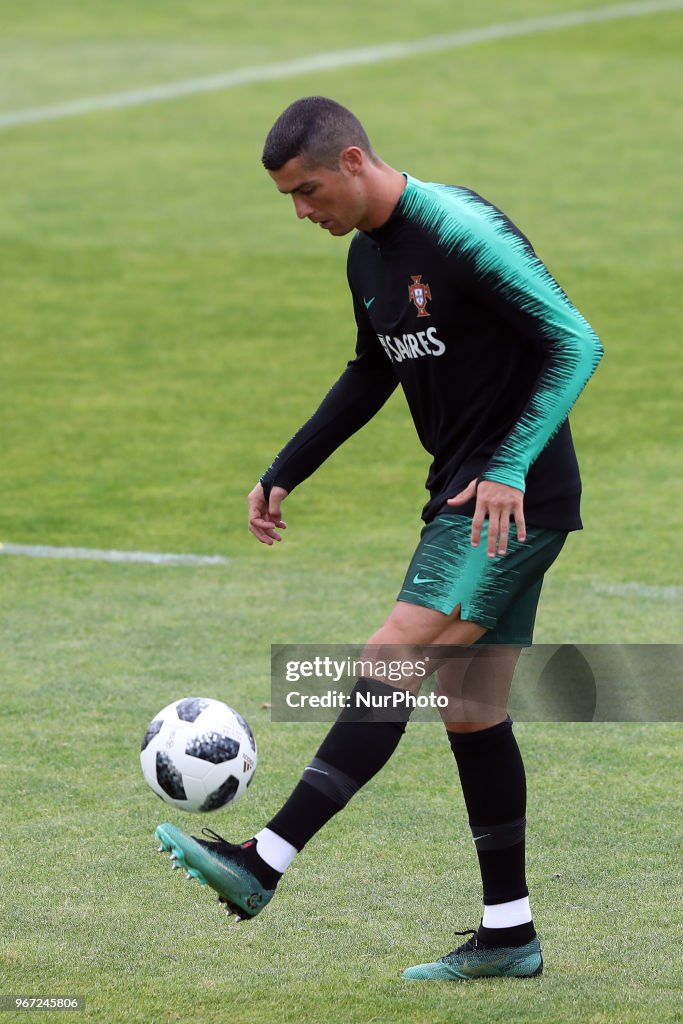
{"x": 499, "y": 593}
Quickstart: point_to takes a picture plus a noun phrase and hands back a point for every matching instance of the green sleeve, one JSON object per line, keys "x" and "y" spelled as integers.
{"x": 493, "y": 259}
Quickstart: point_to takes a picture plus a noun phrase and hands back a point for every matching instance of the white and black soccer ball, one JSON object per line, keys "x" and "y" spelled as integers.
{"x": 198, "y": 754}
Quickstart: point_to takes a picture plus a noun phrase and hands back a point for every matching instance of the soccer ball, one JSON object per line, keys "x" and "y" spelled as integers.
{"x": 198, "y": 754}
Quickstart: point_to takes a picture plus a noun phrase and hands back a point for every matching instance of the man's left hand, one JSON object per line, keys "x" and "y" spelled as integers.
{"x": 499, "y": 503}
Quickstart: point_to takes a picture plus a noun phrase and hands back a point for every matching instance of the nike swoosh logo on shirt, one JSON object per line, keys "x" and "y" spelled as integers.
{"x": 368, "y": 302}
{"x": 420, "y": 579}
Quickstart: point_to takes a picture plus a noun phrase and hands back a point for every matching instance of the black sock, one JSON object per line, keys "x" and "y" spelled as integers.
{"x": 267, "y": 876}
{"x": 495, "y": 938}
{"x": 354, "y": 750}
{"x": 494, "y": 787}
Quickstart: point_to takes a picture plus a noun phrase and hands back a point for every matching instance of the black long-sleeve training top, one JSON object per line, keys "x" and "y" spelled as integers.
{"x": 452, "y": 303}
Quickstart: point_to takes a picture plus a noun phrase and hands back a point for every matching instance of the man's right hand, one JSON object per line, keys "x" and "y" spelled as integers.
{"x": 265, "y": 516}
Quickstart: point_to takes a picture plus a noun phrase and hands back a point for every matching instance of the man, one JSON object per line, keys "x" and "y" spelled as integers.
{"x": 451, "y": 303}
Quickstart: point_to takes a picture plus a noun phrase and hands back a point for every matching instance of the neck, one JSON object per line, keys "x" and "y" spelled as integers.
{"x": 384, "y": 189}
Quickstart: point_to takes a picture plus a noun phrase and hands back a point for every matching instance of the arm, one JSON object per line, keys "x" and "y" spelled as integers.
{"x": 509, "y": 278}
{"x": 533, "y": 304}
{"x": 363, "y": 388}
{"x": 351, "y": 402}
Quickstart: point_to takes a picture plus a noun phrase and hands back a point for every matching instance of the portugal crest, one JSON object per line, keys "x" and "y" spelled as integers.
{"x": 419, "y": 293}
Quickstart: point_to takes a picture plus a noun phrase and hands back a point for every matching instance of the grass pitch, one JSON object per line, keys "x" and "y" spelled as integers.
{"x": 167, "y": 324}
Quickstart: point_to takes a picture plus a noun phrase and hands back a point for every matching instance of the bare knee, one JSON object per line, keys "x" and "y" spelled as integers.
{"x": 401, "y": 641}
{"x": 414, "y": 624}
{"x": 406, "y": 636}
{"x": 477, "y": 688}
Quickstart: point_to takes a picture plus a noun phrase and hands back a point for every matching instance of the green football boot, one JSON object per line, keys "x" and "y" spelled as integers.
{"x": 472, "y": 960}
{"x": 227, "y": 868}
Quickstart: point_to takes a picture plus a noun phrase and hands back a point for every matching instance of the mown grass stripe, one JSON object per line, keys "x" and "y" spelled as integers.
{"x": 333, "y": 61}
{"x": 631, "y": 590}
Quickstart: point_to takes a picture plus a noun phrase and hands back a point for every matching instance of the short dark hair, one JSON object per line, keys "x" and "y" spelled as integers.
{"x": 317, "y": 129}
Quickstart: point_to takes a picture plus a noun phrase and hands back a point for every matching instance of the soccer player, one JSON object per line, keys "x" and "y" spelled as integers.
{"x": 452, "y": 303}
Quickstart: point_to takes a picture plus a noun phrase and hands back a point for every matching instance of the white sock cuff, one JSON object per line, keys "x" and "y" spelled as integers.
{"x": 274, "y": 850}
{"x": 507, "y": 915}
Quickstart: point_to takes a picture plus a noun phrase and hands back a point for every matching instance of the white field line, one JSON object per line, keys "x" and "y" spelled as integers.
{"x": 94, "y": 555}
{"x": 643, "y": 590}
{"x": 336, "y": 59}
{"x": 638, "y": 590}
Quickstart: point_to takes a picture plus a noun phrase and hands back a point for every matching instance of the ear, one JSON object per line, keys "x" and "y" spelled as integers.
{"x": 352, "y": 160}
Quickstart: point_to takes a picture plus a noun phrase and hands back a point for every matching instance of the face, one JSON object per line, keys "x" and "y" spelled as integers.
{"x": 334, "y": 199}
